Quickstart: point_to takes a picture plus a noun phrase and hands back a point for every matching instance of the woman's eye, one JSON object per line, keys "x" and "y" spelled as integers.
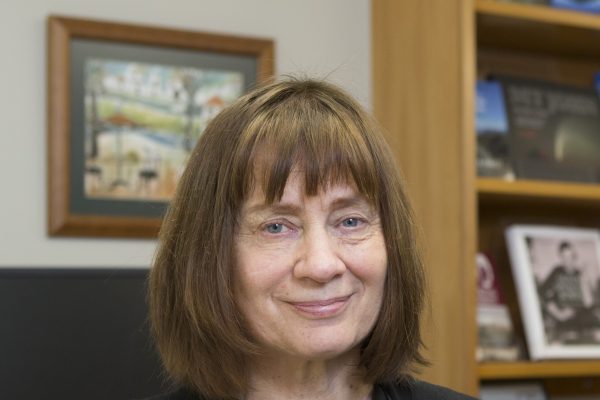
{"x": 275, "y": 228}
{"x": 350, "y": 222}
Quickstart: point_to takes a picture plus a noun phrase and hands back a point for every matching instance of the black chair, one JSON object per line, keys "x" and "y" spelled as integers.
{"x": 76, "y": 333}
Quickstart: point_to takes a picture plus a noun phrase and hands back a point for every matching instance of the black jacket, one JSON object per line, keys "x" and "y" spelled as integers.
{"x": 415, "y": 390}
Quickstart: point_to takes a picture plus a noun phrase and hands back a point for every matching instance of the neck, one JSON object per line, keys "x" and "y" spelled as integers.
{"x": 293, "y": 378}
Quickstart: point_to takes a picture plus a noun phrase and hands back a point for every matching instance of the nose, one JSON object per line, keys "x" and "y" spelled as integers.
{"x": 319, "y": 257}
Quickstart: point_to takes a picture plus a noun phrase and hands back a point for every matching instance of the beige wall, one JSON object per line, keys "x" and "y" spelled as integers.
{"x": 313, "y": 37}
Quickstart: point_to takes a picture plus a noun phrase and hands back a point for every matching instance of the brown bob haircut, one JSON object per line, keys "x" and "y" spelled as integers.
{"x": 320, "y": 130}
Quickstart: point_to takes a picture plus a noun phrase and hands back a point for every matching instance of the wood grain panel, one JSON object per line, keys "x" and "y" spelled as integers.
{"x": 564, "y": 70}
{"x": 423, "y": 66}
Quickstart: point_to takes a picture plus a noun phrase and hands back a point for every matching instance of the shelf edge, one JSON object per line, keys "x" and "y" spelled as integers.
{"x": 538, "y": 13}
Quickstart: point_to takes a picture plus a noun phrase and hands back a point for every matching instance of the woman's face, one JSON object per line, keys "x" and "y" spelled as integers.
{"x": 310, "y": 270}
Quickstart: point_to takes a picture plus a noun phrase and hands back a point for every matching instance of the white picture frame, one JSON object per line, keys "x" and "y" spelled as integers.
{"x": 556, "y": 272}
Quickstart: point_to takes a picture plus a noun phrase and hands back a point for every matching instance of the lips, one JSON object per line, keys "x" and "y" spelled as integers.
{"x": 321, "y": 308}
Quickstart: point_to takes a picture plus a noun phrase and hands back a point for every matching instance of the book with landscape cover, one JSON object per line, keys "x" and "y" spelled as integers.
{"x": 493, "y": 152}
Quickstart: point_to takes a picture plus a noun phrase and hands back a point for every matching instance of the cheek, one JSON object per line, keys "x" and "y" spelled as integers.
{"x": 258, "y": 272}
{"x": 369, "y": 263}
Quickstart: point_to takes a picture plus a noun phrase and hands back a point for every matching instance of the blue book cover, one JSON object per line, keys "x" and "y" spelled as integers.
{"x": 491, "y": 112}
{"x": 493, "y": 153}
{"x": 592, "y": 6}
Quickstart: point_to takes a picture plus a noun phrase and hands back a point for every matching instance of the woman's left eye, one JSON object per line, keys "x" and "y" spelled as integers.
{"x": 350, "y": 222}
{"x": 275, "y": 228}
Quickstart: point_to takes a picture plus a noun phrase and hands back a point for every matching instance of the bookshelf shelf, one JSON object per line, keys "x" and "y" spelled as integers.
{"x": 538, "y": 370}
{"x": 529, "y": 13}
{"x": 538, "y": 28}
{"x": 490, "y": 189}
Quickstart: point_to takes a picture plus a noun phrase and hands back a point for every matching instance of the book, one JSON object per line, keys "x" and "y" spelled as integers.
{"x": 557, "y": 275}
{"x": 496, "y": 334}
{"x": 554, "y": 130}
{"x": 492, "y": 131}
{"x": 592, "y": 6}
{"x": 513, "y": 391}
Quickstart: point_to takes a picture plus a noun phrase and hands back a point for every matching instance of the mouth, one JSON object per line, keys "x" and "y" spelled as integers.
{"x": 321, "y": 308}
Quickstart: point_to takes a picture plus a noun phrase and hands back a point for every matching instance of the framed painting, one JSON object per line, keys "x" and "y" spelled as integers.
{"x": 126, "y": 105}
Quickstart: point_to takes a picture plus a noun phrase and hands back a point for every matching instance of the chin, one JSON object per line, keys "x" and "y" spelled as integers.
{"x": 326, "y": 351}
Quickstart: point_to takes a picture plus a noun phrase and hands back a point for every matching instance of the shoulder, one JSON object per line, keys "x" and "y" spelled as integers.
{"x": 179, "y": 394}
{"x": 424, "y": 390}
{"x": 558, "y": 270}
{"x": 419, "y": 390}
{"x": 552, "y": 277}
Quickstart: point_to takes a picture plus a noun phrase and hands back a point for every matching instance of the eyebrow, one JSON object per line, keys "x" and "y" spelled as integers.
{"x": 344, "y": 202}
{"x": 293, "y": 209}
{"x": 281, "y": 208}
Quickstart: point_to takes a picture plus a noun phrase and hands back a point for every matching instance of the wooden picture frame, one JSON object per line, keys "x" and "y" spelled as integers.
{"x": 89, "y": 65}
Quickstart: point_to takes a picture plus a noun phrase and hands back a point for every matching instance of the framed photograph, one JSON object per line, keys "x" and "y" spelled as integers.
{"x": 126, "y": 105}
{"x": 557, "y": 272}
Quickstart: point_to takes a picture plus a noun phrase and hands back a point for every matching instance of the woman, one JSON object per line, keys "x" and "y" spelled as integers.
{"x": 287, "y": 265}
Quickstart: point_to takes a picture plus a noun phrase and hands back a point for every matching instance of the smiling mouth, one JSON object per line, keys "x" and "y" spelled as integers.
{"x": 321, "y": 308}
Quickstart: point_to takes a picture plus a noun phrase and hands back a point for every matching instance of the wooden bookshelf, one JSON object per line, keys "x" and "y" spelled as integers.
{"x": 543, "y": 43}
{"x": 538, "y": 370}
{"x": 426, "y": 58}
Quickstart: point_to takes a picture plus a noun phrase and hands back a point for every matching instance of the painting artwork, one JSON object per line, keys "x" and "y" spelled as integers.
{"x": 142, "y": 122}
{"x": 126, "y": 106}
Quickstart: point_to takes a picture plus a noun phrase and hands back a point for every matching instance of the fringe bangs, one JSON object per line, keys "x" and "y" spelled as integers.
{"x": 307, "y": 135}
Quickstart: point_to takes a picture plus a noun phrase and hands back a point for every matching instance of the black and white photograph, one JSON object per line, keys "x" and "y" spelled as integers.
{"x": 557, "y": 272}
